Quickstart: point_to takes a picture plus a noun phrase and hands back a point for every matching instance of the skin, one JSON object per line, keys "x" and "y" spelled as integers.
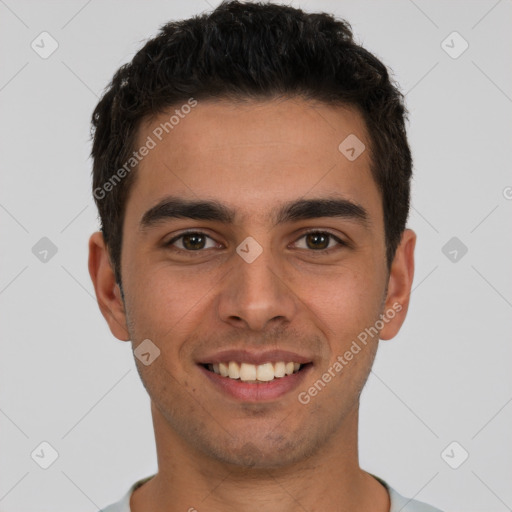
{"x": 215, "y": 453}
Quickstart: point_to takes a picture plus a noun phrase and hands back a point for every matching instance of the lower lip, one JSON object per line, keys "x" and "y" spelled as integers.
{"x": 257, "y": 391}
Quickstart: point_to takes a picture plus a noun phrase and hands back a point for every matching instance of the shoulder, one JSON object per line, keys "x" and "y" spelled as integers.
{"x": 400, "y": 503}
{"x": 123, "y": 505}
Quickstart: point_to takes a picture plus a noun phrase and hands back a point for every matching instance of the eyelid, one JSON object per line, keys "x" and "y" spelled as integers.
{"x": 175, "y": 238}
{"x": 340, "y": 242}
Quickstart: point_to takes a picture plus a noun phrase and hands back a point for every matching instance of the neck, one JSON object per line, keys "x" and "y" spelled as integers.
{"x": 188, "y": 480}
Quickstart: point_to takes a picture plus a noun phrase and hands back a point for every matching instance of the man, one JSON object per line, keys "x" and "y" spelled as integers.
{"x": 251, "y": 170}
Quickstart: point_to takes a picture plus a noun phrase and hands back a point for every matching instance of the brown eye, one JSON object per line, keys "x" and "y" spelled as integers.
{"x": 319, "y": 241}
{"x": 193, "y": 241}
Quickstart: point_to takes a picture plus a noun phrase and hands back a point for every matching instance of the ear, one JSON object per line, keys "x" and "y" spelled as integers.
{"x": 399, "y": 285}
{"x": 107, "y": 290}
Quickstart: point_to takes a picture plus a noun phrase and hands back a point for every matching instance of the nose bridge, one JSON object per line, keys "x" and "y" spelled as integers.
{"x": 255, "y": 292}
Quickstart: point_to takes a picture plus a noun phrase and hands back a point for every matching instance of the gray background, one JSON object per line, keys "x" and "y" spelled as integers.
{"x": 65, "y": 380}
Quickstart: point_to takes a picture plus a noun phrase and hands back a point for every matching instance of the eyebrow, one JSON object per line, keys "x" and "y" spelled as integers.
{"x": 173, "y": 207}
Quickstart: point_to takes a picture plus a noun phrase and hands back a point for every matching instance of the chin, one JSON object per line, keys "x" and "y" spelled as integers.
{"x": 263, "y": 454}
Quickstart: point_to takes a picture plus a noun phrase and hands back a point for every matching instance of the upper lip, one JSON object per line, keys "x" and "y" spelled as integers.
{"x": 254, "y": 357}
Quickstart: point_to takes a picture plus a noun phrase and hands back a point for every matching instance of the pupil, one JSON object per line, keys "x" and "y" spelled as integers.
{"x": 193, "y": 241}
{"x": 315, "y": 237}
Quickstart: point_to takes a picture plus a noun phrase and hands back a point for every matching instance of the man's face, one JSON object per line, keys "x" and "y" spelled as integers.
{"x": 212, "y": 297}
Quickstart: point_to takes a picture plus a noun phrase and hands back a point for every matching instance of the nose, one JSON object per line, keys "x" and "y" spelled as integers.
{"x": 255, "y": 295}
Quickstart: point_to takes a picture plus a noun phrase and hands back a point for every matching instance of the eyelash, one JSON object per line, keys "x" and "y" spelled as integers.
{"x": 198, "y": 252}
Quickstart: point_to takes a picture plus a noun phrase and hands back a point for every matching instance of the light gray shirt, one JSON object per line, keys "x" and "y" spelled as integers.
{"x": 398, "y": 502}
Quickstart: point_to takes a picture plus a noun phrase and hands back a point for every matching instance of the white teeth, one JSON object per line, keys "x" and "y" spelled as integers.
{"x": 247, "y": 372}
{"x": 265, "y": 372}
{"x": 234, "y": 370}
{"x": 224, "y": 369}
{"x": 279, "y": 369}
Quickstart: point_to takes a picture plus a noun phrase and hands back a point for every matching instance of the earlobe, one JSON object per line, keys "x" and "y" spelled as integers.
{"x": 107, "y": 290}
{"x": 399, "y": 286}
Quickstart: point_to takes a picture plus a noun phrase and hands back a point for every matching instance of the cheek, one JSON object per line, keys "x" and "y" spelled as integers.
{"x": 161, "y": 296}
{"x": 168, "y": 307}
{"x": 347, "y": 301}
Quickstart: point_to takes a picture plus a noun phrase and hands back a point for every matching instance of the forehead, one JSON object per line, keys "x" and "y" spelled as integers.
{"x": 253, "y": 155}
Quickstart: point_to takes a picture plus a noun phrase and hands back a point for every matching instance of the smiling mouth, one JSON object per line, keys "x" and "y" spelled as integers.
{"x": 255, "y": 373}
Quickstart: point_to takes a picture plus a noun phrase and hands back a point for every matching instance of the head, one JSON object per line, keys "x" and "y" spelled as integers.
{"x": 244, "y": 112}
{"x": 285, "y": 52}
